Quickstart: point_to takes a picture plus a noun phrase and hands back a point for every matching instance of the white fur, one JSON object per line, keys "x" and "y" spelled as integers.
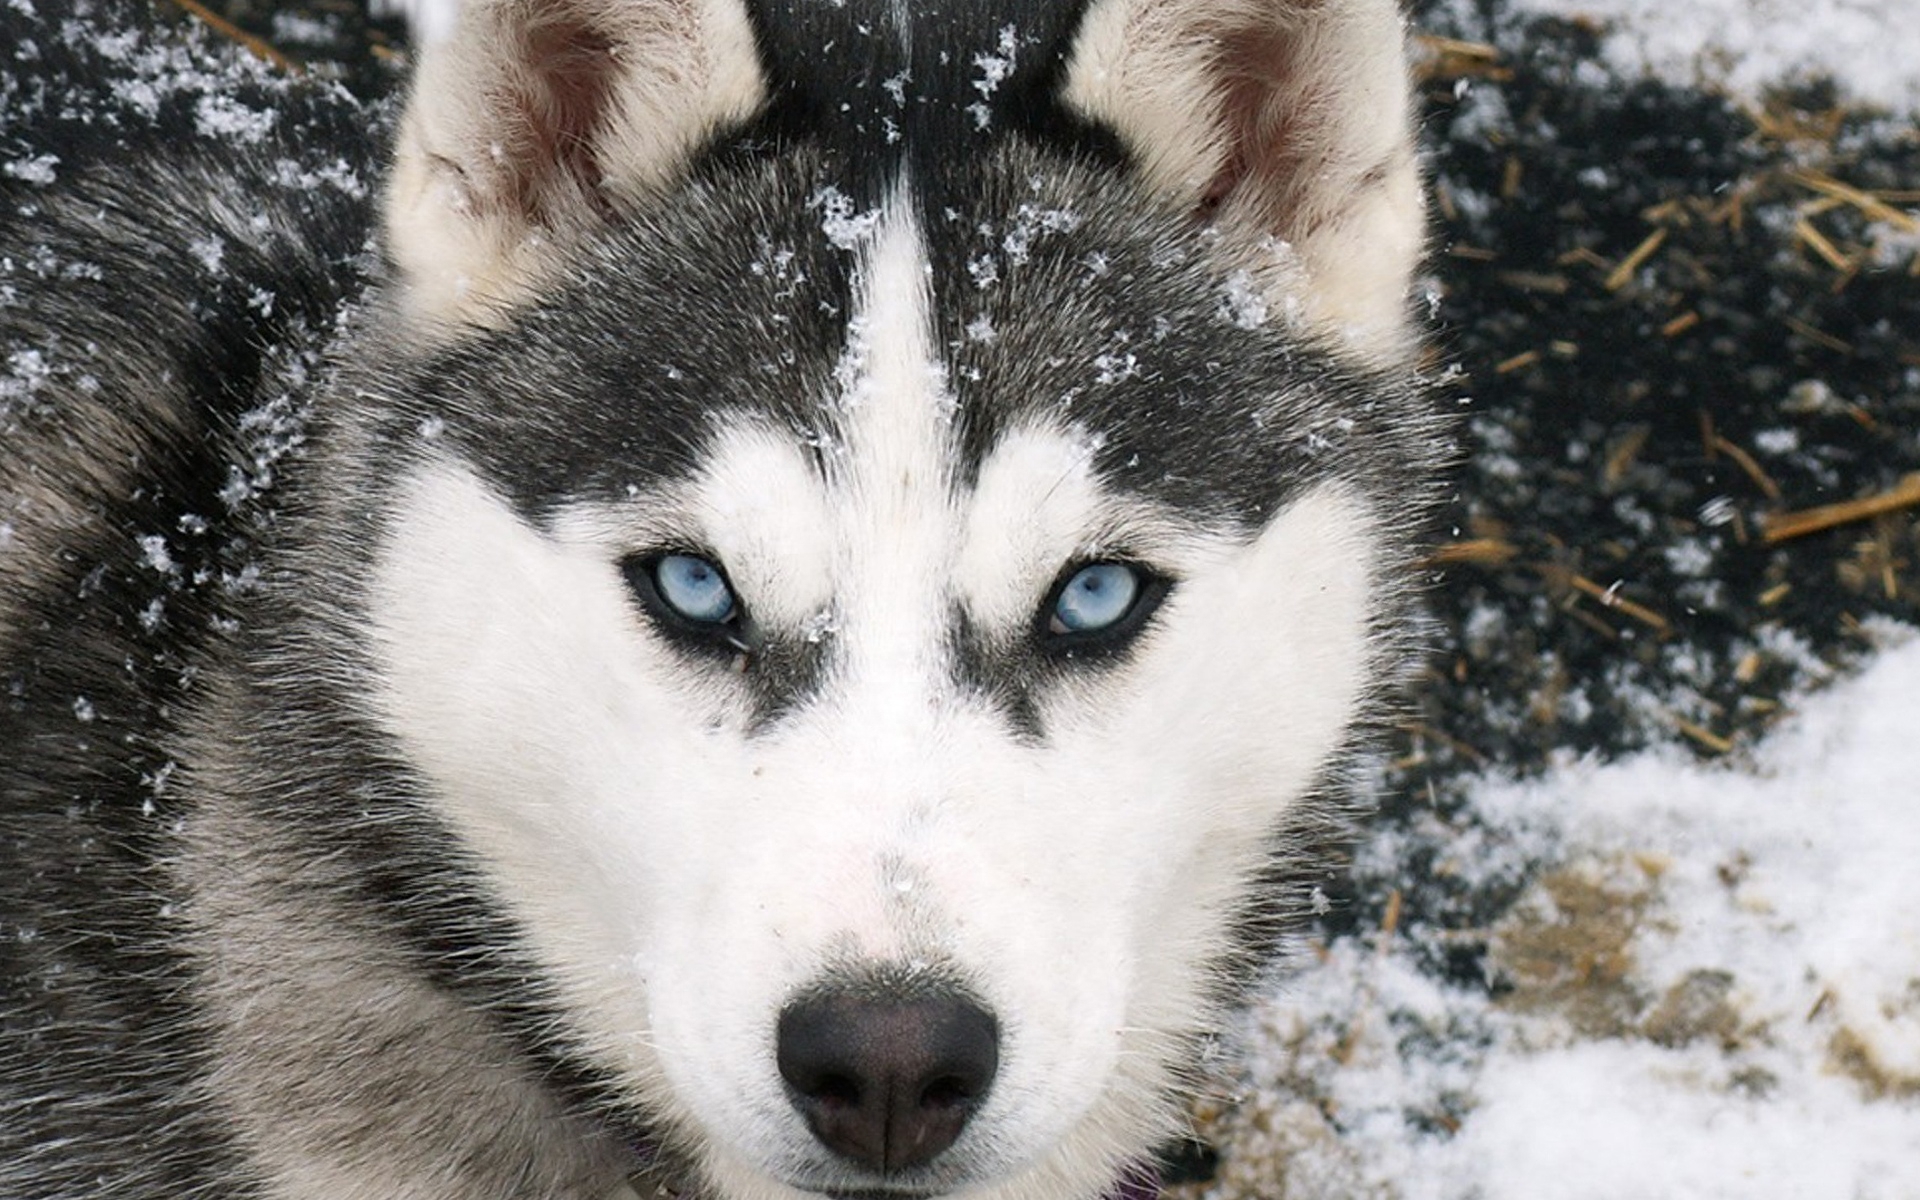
{"x": 429, "y": 22}
{"x": 682, "y": 877}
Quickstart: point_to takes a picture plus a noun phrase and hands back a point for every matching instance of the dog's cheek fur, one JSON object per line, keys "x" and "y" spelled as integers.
{"x": 513, "y": 672}
{"x": 1248, "y": 682}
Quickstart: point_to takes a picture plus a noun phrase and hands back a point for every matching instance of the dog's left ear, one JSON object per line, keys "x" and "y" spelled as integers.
{"x": 1288, "y": 123}
{"x": 535, "y": 121}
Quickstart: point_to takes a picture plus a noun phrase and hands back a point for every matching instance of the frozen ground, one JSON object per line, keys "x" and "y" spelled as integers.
{"x": 1709, "y": 986}
{"x": 1749, "y": 45}
{"x": 1648, "y": 926}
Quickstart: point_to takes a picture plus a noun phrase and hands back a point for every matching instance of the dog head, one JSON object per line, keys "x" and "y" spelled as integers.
{"x": 885, "y": 561}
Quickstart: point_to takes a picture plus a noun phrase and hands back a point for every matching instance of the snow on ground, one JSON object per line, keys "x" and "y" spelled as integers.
{"x": 1711, "y": 989}
{"x": 1745, "y": 46}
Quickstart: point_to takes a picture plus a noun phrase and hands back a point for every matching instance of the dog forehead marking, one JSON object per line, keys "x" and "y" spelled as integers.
{"x": 891, "y": 480}
{"x": 876, "y": 540}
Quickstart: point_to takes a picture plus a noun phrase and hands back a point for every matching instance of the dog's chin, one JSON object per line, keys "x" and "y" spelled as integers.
{"x": 880, "y": 1189}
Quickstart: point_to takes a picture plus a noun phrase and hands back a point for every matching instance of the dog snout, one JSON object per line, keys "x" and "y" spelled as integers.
{"x": 887, "y": 1082}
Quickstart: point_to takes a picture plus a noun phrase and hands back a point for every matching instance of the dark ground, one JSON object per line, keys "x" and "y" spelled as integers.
{"x": 1681, "y": 321}
{"x": 1644, "y": 425}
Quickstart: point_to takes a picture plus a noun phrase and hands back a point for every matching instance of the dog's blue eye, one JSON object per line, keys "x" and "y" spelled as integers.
{"x": 694, "y": 588}
{"x": 1098, "y": 596}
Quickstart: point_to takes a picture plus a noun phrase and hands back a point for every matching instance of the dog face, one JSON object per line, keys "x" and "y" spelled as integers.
{"x": 876, "y": 632}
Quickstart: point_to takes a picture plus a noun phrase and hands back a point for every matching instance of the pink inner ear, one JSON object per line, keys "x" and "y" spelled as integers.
{"x": 558, "y": 106}
{"x": 1265, "y": 110}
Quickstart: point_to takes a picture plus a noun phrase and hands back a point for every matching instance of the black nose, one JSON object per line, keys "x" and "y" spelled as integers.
{"x": 887, "y": 1082}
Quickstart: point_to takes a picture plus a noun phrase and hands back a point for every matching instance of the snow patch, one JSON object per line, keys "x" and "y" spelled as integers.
{"x": 1746, "y": 46}
{"x": 1712, "y": 987}
{"x": 38, "y": 169}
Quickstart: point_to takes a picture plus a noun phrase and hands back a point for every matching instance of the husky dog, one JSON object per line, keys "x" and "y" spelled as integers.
{"x": 791, "y": 607}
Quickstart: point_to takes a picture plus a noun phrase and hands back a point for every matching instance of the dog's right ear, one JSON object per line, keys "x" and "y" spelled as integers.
{"x": 1288, "y": 124}
{"x": 537, "y": 119}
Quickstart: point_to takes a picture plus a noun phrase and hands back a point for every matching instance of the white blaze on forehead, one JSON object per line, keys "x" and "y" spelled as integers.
{"x": 891, "y": 471}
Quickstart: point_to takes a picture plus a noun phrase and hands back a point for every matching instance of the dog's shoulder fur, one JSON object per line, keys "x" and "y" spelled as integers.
{"x": 180, "y": 229}
{"x": 181, "y": 232}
